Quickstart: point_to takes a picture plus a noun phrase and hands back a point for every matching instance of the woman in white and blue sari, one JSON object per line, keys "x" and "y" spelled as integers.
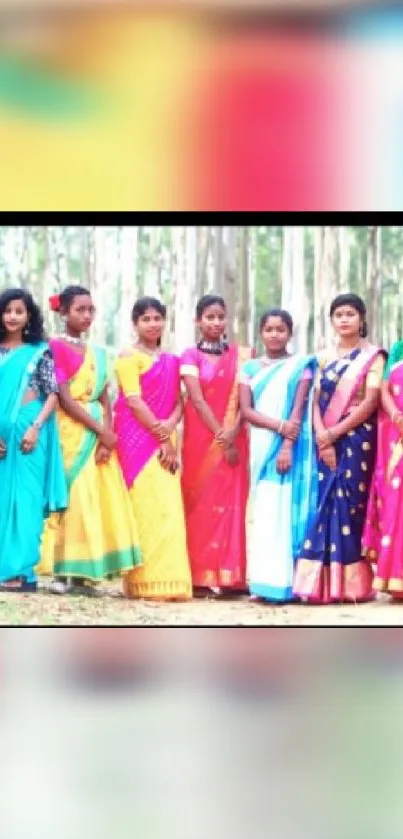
{"x": 276, "y": 396}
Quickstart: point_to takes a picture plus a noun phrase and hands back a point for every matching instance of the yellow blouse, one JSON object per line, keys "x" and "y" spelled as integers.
{"x": 129, "y": 367}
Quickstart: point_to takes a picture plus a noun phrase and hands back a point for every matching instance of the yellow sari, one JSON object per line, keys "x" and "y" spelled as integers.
{"x": 97, "y": 535}
{"x": 155, "y": 494}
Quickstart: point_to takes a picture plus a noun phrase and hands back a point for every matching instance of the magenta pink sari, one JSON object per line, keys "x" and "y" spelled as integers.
{"x": 160, "y": 388}
{"x": 383, "y": 534}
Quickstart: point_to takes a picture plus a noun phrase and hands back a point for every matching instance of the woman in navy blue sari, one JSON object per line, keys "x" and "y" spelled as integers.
{"x": 331, "y": 567}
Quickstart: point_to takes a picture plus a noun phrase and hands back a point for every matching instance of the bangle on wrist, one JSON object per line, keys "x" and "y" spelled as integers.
{"x": 330, "y": 435}
{"x": 281, "y": 427}
{"x": 37, "y": 424}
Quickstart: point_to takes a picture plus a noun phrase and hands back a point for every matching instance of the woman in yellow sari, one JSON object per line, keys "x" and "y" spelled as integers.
{"x": 97, "y": 535}
{"x": 147, "y": 411}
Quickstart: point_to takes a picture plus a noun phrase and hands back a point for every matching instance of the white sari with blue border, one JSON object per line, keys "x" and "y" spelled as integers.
{"x": 281, "y": 505}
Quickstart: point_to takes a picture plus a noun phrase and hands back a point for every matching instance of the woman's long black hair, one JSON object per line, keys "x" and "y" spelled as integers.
{"x": 34, "y": 332}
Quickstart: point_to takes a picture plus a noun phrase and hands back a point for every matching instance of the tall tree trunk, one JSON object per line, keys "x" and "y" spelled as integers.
{"x": 98, "y": 289}
{"x": 344, "y": 250}
{"x": 48, "y": 278}
{"x": 152, "y": 273}
{"x": 250, "y": 288}
{"x": 373, "y": 282}
{"x": 330, "y": 275}
{"x": 218, "y": 261}
{"x": 204, "y": 256}
{"x": 128, "y": 291}
{"x": 244, "y": 272}
{"x": 185, "y": 251}
{"x": 294, "y": 297}
{"x": 229, "y": 278}
{"x": 319, "y": 290}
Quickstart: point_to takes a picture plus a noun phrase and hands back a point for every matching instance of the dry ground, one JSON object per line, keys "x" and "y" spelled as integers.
{"x": 51, "y": 610}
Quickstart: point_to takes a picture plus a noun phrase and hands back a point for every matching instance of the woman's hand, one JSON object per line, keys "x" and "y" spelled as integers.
{"x": 163, "y": 429}
{"x": 324, "y": 439}
{"x": 284, "y": 460}
{"x": 329, "y": 458}
{"x": 168, "y": 457}
{"x": 290, "y": 430}
{"x": 29, "y": 440}
{"x": 398, "y": 422}
{"x": 3, "y": 449}
{"x": 231, "y": 455}
{"x": 102, "y": 454}
{"x": 226, "y": 437}
{"x": 107, "y": 438}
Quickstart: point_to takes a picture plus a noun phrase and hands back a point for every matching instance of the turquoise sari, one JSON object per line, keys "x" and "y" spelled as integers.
{"x": 281, "y": 505}
{"x": 31, "y": 485}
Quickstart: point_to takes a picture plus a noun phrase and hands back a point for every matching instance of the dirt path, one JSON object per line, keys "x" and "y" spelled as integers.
{"x": 50, "y": 610}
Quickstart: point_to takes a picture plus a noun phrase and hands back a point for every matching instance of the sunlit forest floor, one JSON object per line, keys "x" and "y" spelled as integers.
{"x": 51, "y": 610}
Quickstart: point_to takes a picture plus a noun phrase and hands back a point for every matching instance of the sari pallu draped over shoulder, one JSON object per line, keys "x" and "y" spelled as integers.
{"x": 215, "y": 493}
{"x": 383, "y": 533}
{"x": 155, "y": 493}
{"x": 331, "y": 567}
{"x": 31, "y": 485}
{"x": 97, "y": 535}
{"x": 282, "y": 505}
{"x": 159, "y": 390}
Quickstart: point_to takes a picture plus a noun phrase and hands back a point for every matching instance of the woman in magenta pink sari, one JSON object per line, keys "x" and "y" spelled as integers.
{"x": 331, "y": 567}
{"x": 215, "y": 456}
{"x": 383, "y": 534}
{"x": 147, "y": 412}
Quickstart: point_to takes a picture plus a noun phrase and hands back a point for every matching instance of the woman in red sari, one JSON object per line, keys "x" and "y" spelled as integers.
{"x": 215, "y": 456}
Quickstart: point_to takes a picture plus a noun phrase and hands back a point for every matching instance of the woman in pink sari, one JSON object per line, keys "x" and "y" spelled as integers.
{"x": 215, "y": 456}
{"x": 147, "y": 411}
{"x": 383, "y": 534}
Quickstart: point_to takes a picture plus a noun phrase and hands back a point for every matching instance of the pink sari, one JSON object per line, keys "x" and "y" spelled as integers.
{"x": 383, "y": 534}
{"x": 160, "y": 387}
{"x": 215, "y": 494}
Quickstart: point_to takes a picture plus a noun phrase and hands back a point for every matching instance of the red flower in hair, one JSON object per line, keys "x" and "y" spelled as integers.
{"x": 54, "y": 303}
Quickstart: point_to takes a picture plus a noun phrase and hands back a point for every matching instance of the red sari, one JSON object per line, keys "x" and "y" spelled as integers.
{"x": 215, "y": 494}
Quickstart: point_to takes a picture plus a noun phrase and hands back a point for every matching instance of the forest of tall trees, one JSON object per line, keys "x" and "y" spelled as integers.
{"x": 301, "y": 268}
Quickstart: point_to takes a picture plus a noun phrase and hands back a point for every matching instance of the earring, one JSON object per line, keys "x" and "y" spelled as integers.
{"x": 25, "y": 331}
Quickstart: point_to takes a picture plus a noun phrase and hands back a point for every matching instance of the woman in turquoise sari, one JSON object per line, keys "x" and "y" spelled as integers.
{"x": 276, "y": 395}
{"x": 32, "y": 482}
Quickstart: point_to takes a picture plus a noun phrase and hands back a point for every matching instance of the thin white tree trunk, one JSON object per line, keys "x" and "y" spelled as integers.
{"x": 244, "y": 295}
{"x": 185, "y": 240}
{"x": 218, "y": 261}
{"x": 294, "y": 298}
{"x": 252, "y": 285}
{"x": 151, "y": 284}
{"x": 372, "y": 282}
{"x": 330, "y": 276}
{"x": 129, "y": 290}
{"x": 345, "y": 256}
{"x": 98, "y": 329}
{"x": 319, "y": 291}
{"x": 229, "y": 278}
